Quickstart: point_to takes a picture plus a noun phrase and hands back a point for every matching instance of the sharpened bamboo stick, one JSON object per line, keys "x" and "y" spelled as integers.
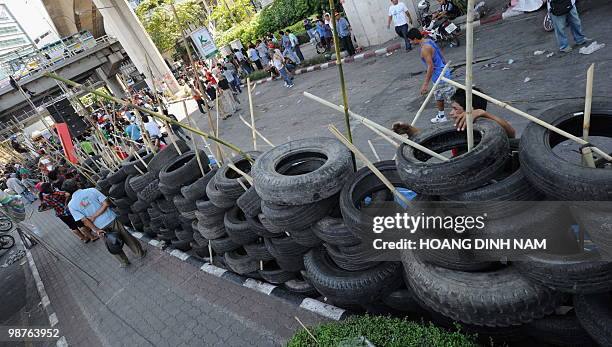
{"x": 256, "y": 131}
{"x": 469, "y": 74}
{"x": 369, "y": 164}
{"x": 373, "y": 150}
{"x": 252, "y": 114}
{"x": 588, "y": 101}
{"x": 429, "y": 95}
{"x": 364, "y": 121}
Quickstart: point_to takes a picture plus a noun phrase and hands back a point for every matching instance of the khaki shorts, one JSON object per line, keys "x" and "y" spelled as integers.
{"x": 444, "y": 92}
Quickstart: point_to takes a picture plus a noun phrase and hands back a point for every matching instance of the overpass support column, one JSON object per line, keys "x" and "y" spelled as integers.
{"x": 112, "y": 83}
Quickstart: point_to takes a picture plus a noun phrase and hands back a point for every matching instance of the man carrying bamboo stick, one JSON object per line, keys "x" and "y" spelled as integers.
{"x": 434, "y": 61}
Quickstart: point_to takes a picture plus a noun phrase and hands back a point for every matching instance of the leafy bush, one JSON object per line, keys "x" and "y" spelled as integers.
{"x": 259, "y": 75}
{"x": 382, "y": 331}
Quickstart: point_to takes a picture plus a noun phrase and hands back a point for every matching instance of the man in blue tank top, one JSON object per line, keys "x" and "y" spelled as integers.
{"x": 431, "y": 55}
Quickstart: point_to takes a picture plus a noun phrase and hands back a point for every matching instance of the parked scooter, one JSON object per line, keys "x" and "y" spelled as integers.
{"x": 441, "y": 29}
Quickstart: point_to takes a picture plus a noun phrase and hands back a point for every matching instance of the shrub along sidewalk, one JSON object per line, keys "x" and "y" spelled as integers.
{"x": 381, "y": 331}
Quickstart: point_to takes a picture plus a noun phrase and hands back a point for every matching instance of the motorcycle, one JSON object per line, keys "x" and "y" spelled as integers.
{"x": 439, "y": 30}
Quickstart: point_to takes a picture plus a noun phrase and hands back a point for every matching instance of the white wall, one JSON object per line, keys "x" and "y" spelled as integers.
{"x": 369, "y": 20}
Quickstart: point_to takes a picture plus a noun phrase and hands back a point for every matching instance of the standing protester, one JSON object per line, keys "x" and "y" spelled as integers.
{"x": 177, "y": 129}
{"x": 287, "y": 46}
{"x": 93, "y": 208}
{"x": 324, "y": 34}
{"x": 398, "y": 13}
{"x": 58, "y": 200}
{"x": 309, "y": 30}
{"x": 227, "y": 104}
{"x": 296, "y": 44}
{"x": 133, "y": 131}
{"x": 230, "y": 76}
{"x": 254, "y": 56}
{"x": 14, "y": 184}
{"x": 242, "y": 60}
{"x": 152, "y": 127}
{"x": 344, "y": 33}
{"x": 280, "y": 65}
{"x": 262, "y": 50}
{"x": 197, "y": 96}
{"x": 431, "y": 55}
{"x": 562, "y": 13}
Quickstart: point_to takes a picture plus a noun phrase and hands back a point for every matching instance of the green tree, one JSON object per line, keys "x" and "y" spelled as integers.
{"x": 227, "y": 14}
{"x": 157, "y": 18}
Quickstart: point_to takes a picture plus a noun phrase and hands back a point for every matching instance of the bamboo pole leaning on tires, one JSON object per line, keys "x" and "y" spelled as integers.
{"x": 429, "y": 95}
{"x": 253, "y": 131}
{"x": 195, "y": 148}
{"x": 153, "y": 114}
{"x": 469, "y": 74}
{"x": 256, "y": 131}
{"x": 368, "y": 163}
{"x": 379, "y": 133}
{"x": 536, "y": 120}
{"x": 373, "y": 150}
{"x": 364, "y": 120}
{"x": 345, "y": 104}
{"x": 587, "y": 153}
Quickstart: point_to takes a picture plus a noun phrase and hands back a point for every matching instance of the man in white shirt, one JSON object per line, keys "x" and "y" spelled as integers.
{"x": 296, "y": 44}
{"x": 152, "y": 127}
{"x": 398, "y": 13}
{"x": 14, "y": 184}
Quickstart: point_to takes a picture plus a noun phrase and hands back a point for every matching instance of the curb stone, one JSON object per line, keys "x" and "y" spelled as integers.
{"x": 301, "y": 301}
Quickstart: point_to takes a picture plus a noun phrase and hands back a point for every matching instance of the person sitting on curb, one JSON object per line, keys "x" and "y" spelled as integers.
{"x": 479, "y": 106}
{"x": 93, "y": 208}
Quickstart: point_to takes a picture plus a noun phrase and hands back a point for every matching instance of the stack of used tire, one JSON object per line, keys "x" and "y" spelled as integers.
{"x": 501, "y": 297}
{"x": 221, "y": 223}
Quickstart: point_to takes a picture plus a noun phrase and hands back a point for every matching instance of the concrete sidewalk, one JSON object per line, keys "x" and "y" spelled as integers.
{"x": 158, "y": 301}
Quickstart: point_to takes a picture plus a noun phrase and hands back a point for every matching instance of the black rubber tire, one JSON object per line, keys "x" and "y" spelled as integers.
{"x": 166, "y": 206}
{"x": 199, "y": 239}
{"x": 182, "y": 171}
{"x": 271, "y": 228}
{"x": 258, "y": 228}
{"x": 165, "y": 156}
{"x": 210, "y": 220}
{"x": 171, "y": 220}
{"x": 305, "y": 237}
{"x": 132, "y": 162}
{"x": 144, "y": 217}
{"x": 123, "y": 203}
{"x": 333, "y": 231}
{"x": 117, "y": 191}
{"x": 139, "y": 206}
{"x": 217, "y": 198}
{"x": 182, "y": 245}
{"x": 197, "y": 190}
{"x": 301, "y": 286}
{"x": 223, "y": 245}
{"x": 595, "y": 315}
{"x": 134, "y": 219}
{"x": 227, "y": 179}
{"x": 129, "y": 192}
{"x": 250, "y": 203}
{"x": 184, "y": 205}
{"x": 497, "y": 199}
{"x": 297, "y": 216}
{"x": 323, "y": 182}
{"x": 289, "y": 263}
{"x": 117, "y": 176}
{"x": 598, "y": 224}
{"x": 461, "y": 173}
{"x": 150, "y": 193}
{"x": 500, "y": 298}
{"x": 559, "y": 330}
{"x": 184, "y": 235}
{"x": 581, "y": 273}
{"x": 169, "y": 191}
{"x": 258, "y": 251}
{"x": 284, "y": 247}
{"x": 212, "y": 232}
{"x": 402, "y": 300}
{"x": 349, "y": 288}
{"x": 207, "y": 208}
{"x": 139, "y": 183}
{"x": 154, "y": 211}
{"x": 347, "y": 262}
{"x": 189, "y": 215}
{"x": 272, "y": 273}
{"x": 240, "y": 262}
{"x": 123, "y": 218}
{"x": 554, "y": 175}
{"x": 456, "y": 259}
{"x": 237, "y": 227}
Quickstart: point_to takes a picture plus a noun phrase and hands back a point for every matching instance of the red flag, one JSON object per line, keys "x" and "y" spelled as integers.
{"x": 66, "y": 140}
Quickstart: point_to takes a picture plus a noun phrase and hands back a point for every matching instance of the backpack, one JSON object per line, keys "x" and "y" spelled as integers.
{"x": 560, "y": 7}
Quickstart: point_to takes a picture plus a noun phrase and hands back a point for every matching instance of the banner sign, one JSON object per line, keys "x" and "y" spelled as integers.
{"x": 204, "y": 42}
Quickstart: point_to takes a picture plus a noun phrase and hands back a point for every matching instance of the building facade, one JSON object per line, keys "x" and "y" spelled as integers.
{"x": 14, "y": 42}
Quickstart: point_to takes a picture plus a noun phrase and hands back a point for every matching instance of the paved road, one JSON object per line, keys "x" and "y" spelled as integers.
{"x": 20, "y": 303}
{"x": 386, "y": 89}
{"x": 158, "y": 301}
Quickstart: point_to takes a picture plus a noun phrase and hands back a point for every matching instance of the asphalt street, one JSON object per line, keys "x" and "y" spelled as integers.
{"x": 386, "y": 89}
